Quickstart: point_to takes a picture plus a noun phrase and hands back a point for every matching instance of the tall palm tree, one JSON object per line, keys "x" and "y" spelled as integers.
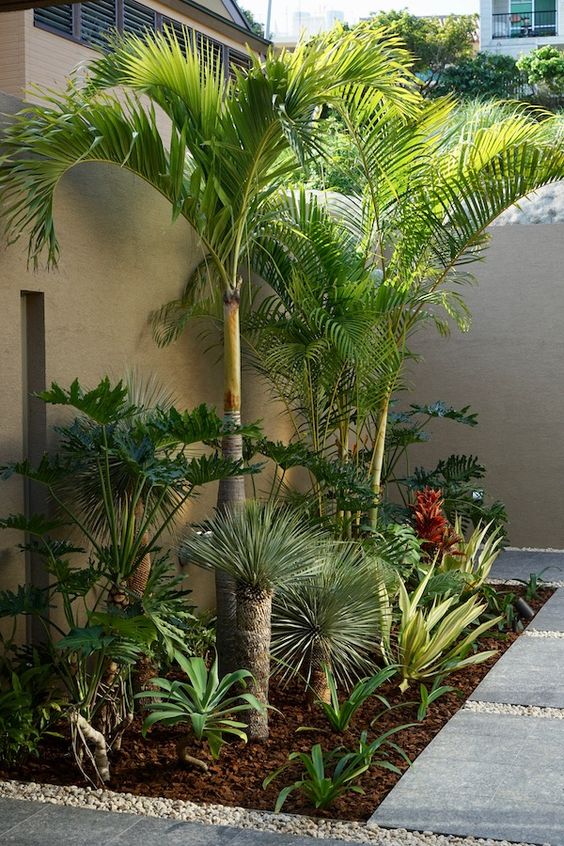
{"x": 431, "y": 187}
{"x": 332, "y": 347}
{"x": 233, "y": 142}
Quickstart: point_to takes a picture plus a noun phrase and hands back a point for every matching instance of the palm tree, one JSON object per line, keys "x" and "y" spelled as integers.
{"x": 332, "y": 346}
{"x": 233, "y": 143}
{"x": 431, "y": 187}
{"x": 262, "y": 548}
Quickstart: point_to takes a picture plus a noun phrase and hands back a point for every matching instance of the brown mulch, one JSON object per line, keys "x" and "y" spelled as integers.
{"x": 149, "y": 767}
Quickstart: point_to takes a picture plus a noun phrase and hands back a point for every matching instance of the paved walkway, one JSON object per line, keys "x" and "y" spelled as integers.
{"x": 496, "y": 770}
{"x": 37, "y": 824}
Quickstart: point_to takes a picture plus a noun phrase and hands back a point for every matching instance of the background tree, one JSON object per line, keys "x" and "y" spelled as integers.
{"x": 233, "y": 143}
{"x": 435, "y": 42}
{"x": 544, "y": 67}
{"x": 484, "y": 75}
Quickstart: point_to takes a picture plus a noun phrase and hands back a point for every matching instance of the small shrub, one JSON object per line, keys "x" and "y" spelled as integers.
{"x": 204, "y": 702}
{"x": 430, "y": 641}
{"x": 24, "y": 720}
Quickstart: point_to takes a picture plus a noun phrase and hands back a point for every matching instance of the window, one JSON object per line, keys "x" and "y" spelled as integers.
{"x": 93, "y": 22}
{"x": 58, "y": 18}
{"x": 97, "y": 22}
{"x": 137, "y": 19}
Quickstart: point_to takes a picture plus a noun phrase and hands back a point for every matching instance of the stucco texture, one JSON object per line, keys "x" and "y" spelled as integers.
{"x": 510, "y": 368}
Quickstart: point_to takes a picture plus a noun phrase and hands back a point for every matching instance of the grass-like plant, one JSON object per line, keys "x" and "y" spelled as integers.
{"x": 332, "y": 618}
{"x": 263, "y": 548}
{"x": 328, "y": 775}
{"x": 205, "y": 702}
{"x": 430, "y": 641}
{"x": 340, "y": 713}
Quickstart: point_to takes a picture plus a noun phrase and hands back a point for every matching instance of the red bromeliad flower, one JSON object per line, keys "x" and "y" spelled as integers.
{"x": 431, "y": 525}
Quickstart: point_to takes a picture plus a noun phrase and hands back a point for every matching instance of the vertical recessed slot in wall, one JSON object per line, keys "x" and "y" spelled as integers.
{"x": 34, "y": 429}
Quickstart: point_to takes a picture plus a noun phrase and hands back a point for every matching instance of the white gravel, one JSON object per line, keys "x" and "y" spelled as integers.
{"x": 175, "y": 809}
{"x": 540, "y": 633}
{"x": 480, "y": 707}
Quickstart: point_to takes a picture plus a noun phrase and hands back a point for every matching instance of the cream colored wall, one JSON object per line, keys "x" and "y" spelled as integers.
{"x": 510, "y": 369}
{"x": 12, "y": 52}
{"x": 121, "y": 257}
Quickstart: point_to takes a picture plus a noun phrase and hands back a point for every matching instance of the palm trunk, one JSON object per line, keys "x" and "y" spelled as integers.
{"x": 254, "y": 609}
{"x": 231, "y": 491}
{"x": 318, "y": 688}
{"x": 137, "y": 581}
{"x": 378, "y": 462}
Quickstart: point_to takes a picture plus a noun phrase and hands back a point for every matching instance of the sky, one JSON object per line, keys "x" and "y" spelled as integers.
{"x": 282, "y": 10}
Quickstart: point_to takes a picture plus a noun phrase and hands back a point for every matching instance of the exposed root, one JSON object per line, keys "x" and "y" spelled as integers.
{"x": 90, "y": 735}
{"x": 185, "y": 758}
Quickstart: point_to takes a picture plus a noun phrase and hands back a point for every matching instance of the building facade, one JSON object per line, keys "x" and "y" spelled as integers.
{"x": 42, "y": 46}
{"x": 516, "y": 27}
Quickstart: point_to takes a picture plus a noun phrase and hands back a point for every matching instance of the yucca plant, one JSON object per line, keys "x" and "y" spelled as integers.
{"x": 234, "y": 140}
{"x": 263, "y": 548}
{"x": 332, "y": 619}
{"x": 204, "y": 701}
{"x": 430, "y": 641}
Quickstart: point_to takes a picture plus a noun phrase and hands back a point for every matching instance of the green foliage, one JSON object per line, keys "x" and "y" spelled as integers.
{"x": 339, "y": 713}
{"x": 431, "y": 642}
{"x": 28, "y": 707}
{"x": 254, "y": 25}
{"x": 332, "y": 617}
{"x": 427, "y": 697}
{"x": 501, "y": 608}
{"x": 328, "y": 775}
{"x": 481, "y": 76}
{"x": 544, "y": 66}
{"x": 532, "y": 585}
{"x": 436, "y": 43}
{"x": 204, "y": 702}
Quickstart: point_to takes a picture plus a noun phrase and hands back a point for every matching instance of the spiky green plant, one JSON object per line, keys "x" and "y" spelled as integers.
{"x": 332, "y": 619}
{"x": 263, "y": 548}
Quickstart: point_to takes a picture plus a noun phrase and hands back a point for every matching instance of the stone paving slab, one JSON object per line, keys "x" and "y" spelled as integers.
{"x": 485, "y": 775}
{"x": 550, "y": 618}
{"x": 519, "y": 564}
{"x": 25, "y": 823}
{"x": 529, "y": 673}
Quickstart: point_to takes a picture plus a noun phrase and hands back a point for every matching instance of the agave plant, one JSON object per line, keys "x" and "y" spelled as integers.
{"x": 204, "y": 701}
{"x": 331, "y": 619}
{"x": 264, "y": 548}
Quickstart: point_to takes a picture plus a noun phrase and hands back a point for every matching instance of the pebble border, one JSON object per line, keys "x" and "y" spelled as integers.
{"x": 541, "y": 633}
{"x": 179, "y": 810}
{"x": 481, "y": 707}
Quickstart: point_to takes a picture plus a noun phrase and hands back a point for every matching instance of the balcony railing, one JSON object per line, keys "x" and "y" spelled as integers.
{"x": 524, "y": 24}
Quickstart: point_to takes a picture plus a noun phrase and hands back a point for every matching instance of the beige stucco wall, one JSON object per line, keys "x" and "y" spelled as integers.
{"x": 121, "y": 257}
{"x": 510, "y": 369}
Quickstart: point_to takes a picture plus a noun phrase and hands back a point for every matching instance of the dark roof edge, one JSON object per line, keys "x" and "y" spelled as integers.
{"x": 223, "y": 24}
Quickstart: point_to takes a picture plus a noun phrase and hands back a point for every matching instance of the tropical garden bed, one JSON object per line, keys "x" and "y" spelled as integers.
{"x": 149, "y": 766}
